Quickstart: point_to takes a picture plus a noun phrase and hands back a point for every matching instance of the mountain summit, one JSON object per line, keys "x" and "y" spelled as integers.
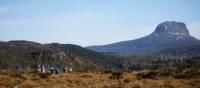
{"x": 172, "y": 27}
{"x": 166, "y": 35}
{"x": 172, "y": 30}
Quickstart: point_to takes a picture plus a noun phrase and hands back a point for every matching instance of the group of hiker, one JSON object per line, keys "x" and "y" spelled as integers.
{"x": 52, "y": 69}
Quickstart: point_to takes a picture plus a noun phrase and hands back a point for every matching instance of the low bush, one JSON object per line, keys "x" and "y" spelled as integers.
{"x": 116, "y": 75}
{"x": 44, "y": 75}
{"x": 126, "y": 80}
{"x": 107, "y": 71}
{"x": 166, "y": 72}
{"x": 148, "y": 75}
{"x": 176, "y": 73}
{"x": 188, "y": 74}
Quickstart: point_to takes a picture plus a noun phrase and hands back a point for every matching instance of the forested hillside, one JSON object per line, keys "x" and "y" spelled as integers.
{"x": 22, "y": 55}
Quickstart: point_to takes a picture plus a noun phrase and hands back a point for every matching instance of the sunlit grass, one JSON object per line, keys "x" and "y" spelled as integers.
{"x": 94, "y": 80}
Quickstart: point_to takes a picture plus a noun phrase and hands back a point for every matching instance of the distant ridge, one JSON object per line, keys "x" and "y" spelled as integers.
{"x": 167, "y": 34}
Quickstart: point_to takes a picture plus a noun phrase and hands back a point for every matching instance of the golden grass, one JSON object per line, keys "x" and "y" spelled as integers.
{"x": 94, "y": 80}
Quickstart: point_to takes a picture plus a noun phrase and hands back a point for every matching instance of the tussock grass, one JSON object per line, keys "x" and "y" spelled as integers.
{"x": 109, "y": 79}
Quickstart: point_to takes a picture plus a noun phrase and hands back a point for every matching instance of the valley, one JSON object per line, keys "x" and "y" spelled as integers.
{"x": 167, "y": 58}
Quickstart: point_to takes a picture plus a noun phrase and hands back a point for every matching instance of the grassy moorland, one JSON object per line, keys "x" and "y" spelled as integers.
{"x": 166, "y": 78}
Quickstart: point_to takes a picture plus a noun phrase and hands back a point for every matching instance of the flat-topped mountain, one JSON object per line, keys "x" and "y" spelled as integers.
{"x": 172, "y": 27}
{"x": 166, "y": 35}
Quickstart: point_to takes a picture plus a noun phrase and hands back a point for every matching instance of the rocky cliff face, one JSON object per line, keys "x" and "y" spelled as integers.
{"x": 172, "y": 27}
{"x": 177, "y": 30}
{"x": 166, "y": 35}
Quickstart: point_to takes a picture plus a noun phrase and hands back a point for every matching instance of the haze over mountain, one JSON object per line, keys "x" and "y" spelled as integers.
{"x": 168, "y": 34}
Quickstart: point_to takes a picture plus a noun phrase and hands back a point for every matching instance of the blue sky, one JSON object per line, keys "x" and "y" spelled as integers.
{"x": 92, "y": 22}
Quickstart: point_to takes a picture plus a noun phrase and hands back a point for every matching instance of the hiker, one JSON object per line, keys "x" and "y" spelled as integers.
{"x": 43, "y": 69}
{"x": 67, "y": 69}
{"x": 46, "y": 69}
{"x": 52, "y": 70}
{"x": 49, "y": 69}
{"x": 39, "y": 68}
{"x": 56, "y": 71}
{"x": 70, "y": 69}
